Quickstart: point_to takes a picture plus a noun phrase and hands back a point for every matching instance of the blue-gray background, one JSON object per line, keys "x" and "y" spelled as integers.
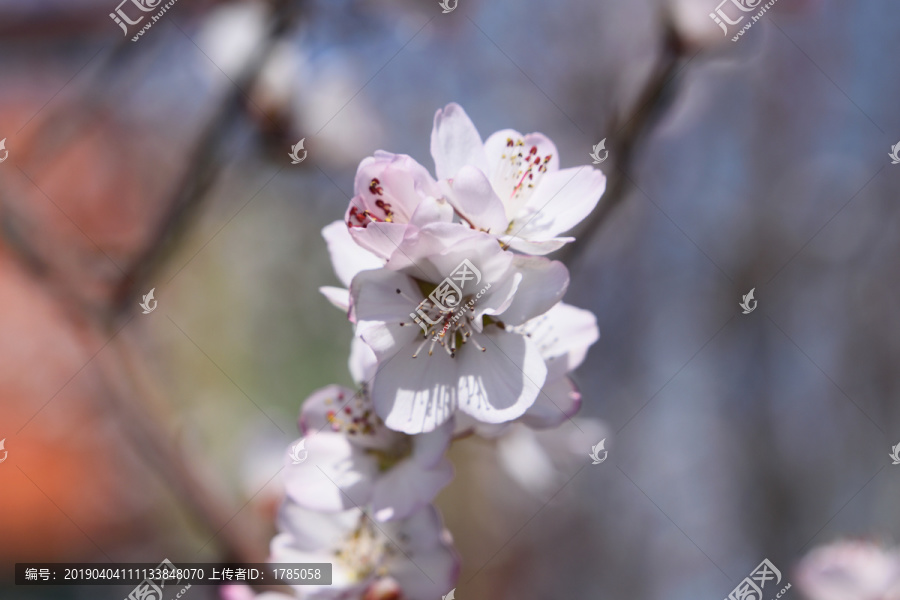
{"x": 732, "y": 437}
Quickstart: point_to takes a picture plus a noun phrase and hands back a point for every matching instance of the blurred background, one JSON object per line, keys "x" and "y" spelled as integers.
{"x": 163, "y": 163}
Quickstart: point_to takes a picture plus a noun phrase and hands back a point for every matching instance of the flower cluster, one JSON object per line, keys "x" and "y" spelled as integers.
{"x": 850, "y": 570}
{"x": 459, "y": 328}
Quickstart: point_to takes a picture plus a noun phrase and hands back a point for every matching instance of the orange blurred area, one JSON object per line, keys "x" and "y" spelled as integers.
{"x": 64, "y": 462}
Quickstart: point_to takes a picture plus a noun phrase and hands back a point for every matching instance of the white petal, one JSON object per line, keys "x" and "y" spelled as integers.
{"x": 536, "y": 248}
{"x": 344, "y": 583}
{"x": 380, "y": 239}
{"x": 407, "y": 487}
{"x": 347, "y": 257}
{"x": 560, "y": 201}
{"x": 237, "y": 592}
{"x": 363, "y": 362}
{"x": 564, "y": 334}
{"x": 416, "y": 395}
{"x": 245, "y": 592}
{"x": 315, "y": 409}
{"x": 455, "y": 142}
{"x": 526, "y": 461}
{"x": 434, "y": 251}
{"x": 497, "y": 298}
{"x": 466, "y": 425}
{"x": 442, "y": 566}
{"x": 336, "y": 475}
{"x": 339, "y": 297}
{"x": 309, "y": 531}
{"x": 543, "y": 285}
{"x": 423, "y": 530}
{"x": 432, "y": 210}
{"x": 436, "y": 567}
{"x": 558, "y": 402}
{"x": 429, "y": 448}
{"x": 389, "y": 339}
{"x": 499, "y": 384}
{"x": 474, "y": 198}
{"x": 284, "y": 549}
{"x": 375, "y": 297}
{"x": 500, "y": 153}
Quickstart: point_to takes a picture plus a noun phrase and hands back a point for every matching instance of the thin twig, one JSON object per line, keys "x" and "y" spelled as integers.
{"x": 140, "y": 412}
{"x": 650, "y": 105}
{"x": 132, "y": 395}
{"x": 203, "y": 164}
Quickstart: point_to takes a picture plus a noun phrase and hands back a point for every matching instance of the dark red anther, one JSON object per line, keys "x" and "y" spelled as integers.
{"x": 354, "y": 212}
{"x": 533, "y": 150}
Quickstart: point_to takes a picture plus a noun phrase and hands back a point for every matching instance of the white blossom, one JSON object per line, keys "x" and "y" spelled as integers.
{"x": 411, "y": 558}
{"x": 850, "y": 570}
{"x": 511, "y": 185}
{"x": 473, "y": 358}
{"x": 355, "y": 461}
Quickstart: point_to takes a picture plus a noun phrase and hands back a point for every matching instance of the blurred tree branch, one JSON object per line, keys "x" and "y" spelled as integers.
{"x": 147, "y": 425}
{"x": 652, "y": 103}
{"x": 202, "y": 168}
{"x": 131, "y": 392}
{"x": 203, "y": 164}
